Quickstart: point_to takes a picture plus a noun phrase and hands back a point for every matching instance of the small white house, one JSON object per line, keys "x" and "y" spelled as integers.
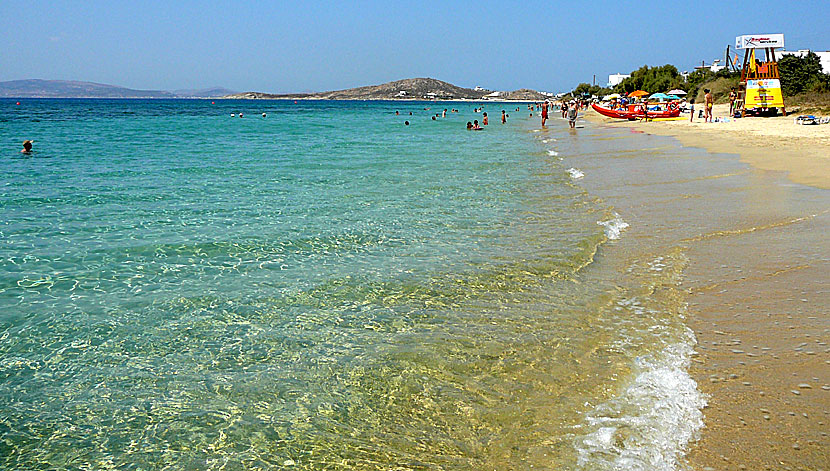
{"x": 614, "y": 79}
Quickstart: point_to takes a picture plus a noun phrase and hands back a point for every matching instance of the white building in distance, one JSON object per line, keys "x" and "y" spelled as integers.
{"x": 823, "y": 57}
{"x": 614, "y": 79}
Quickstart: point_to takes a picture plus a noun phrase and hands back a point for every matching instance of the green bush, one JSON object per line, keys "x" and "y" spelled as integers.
{"x": 800, "y": 74}
{"x": 720, "y": 88}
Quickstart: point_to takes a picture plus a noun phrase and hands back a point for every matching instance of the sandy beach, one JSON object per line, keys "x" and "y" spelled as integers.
{"x": 775, "y": 144}
{"x": 757, "y": 294}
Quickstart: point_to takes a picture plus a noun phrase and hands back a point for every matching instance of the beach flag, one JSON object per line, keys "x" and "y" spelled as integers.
{"x": 752, "y": 61}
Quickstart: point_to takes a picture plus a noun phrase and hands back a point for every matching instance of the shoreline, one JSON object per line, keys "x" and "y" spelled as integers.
{"x": 754, "y": 290}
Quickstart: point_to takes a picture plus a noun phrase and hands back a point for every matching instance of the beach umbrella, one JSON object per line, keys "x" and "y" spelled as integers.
{"x": 658, "y": 96}
{"x": 612, "y": 96}
{"x": 637, "y": 93}
{"x": 677, "y": 91}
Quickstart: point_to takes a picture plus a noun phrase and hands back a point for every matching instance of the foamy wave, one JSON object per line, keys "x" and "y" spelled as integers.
{"x": 550, "y": 139}
{"x": 553, "y": 153}
{"x": 576, "y": 173}
{"x": 614, "y": 227}
{"x": 648, "y": 426}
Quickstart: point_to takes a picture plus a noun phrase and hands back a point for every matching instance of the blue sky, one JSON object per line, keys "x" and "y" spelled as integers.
{"x": 277, "y": 46}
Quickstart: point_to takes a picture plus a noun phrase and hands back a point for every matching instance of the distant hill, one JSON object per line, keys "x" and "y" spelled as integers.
{"x": 35, "y": 88}
{"x": 214, "y": 92}
{"x": 525, "y": 94}
{"x": 416, "y": 88}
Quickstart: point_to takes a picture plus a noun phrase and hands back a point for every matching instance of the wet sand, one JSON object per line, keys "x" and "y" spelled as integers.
{"x": 757, "y": 287}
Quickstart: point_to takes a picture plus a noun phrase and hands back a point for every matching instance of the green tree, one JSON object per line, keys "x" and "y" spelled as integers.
{"x": 799, "y": 74}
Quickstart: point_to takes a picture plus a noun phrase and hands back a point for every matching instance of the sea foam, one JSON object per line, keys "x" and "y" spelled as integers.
{"x": 553, "y": 153}
{"x": 648, "y": 425}
{"x": 575, "y": 173}
{"x": 613, "y": 227}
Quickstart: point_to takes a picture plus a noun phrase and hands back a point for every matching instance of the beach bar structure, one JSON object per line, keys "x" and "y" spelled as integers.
{"x": 760, "y": 85}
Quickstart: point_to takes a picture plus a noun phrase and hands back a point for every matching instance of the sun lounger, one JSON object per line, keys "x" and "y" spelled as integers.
{"x": 806, "y": 119}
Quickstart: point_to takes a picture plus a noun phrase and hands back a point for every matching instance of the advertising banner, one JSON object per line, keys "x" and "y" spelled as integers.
{"x": 759, "y": 41}
{"x": 764, "y": 93}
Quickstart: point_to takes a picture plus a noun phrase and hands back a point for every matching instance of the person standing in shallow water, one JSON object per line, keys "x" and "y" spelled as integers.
{"x": 545, "y": 106}
{"x": 484, "y": 120}
{"x": 503, "y": 117}
{"x": 572, "y": 114}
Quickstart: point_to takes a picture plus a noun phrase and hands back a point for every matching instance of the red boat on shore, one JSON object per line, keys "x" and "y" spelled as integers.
{"x": 637, "y": 112}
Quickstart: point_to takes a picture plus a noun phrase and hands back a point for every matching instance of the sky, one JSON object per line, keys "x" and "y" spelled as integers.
{"x": 296, "y": 46}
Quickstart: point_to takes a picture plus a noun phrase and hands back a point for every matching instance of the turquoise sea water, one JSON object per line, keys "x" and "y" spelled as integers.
{"x": 320, "y": 288}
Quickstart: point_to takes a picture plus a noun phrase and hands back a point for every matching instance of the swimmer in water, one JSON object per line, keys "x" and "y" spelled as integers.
{"x": 406, "y": 123}
{"x": 263, "y": 115}
{"x": 476, "y": 127}
{"x": 485, "y": 121}
{"x": 503, "y": 117}
{"x": 27, "y": 147}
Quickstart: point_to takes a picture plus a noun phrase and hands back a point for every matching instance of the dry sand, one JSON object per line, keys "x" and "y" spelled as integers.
{"x": 776, "y": 144}
{"x": 759, "y": 302}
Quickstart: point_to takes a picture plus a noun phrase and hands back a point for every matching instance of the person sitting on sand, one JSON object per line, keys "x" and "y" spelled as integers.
{"x": 469, "y": 126}
{"x": 27, "y": 147}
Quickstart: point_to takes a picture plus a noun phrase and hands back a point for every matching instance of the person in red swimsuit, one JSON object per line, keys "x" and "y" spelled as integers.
{"x": 545, "y": 112}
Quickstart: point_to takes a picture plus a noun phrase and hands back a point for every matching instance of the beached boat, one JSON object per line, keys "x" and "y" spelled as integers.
{"x": 636, "y": 112}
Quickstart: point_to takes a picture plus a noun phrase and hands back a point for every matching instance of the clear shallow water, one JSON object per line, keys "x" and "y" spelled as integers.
{"x": 323, "y": 288}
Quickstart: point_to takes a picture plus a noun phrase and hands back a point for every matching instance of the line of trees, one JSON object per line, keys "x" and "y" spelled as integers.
{"x": 798, "y": 75}
{"x": 656, "y": 79}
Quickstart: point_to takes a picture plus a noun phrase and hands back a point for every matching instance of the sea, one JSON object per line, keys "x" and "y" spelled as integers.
{"x": 317, "y": 285}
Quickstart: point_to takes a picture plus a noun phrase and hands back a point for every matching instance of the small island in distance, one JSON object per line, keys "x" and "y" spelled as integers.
{"x": 407, "y": 89}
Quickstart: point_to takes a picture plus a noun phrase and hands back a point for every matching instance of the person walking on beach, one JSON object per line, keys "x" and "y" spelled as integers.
{"x": 692, "y": 109}
{"x": 564, "y": 109}
{"x": 545, "y": 106}
{"x": 573, "y": 112}
{"x": 732, "y": 97}
{"x": 710, "y": 102}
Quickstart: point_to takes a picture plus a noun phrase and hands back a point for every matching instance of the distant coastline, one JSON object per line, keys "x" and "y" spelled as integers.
{"x": 37, "y": 88}
{"x": 415, "y": 89}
